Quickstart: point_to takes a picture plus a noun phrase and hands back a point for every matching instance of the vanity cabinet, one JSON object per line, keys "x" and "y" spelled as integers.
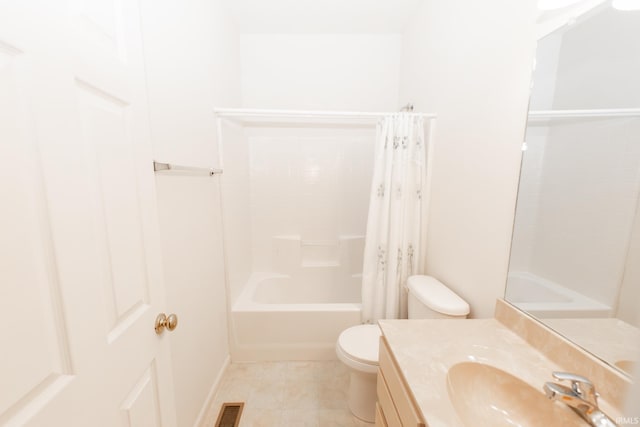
{"x": 396, "y": 406}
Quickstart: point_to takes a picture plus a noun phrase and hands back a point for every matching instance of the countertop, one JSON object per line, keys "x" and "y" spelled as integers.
{"x": 425, "y": 350}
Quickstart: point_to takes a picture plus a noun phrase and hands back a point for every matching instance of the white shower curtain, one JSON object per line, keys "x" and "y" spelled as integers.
{"x": 395, "y": 240}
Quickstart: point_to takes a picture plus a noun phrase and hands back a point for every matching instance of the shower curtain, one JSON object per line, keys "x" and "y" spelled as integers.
{"x": 395, "y": 241}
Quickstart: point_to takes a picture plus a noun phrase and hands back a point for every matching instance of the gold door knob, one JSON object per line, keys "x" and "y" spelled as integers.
{"x": 163, "y": 321}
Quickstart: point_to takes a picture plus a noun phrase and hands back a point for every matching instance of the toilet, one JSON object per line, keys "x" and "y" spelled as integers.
{"x": 357, "y": 346}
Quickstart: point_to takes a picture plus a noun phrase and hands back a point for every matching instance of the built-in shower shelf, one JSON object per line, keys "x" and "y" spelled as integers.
{"x": 350, "y": 237}
{"x": 291, "y": 253}
{"x": 320, "y": 264}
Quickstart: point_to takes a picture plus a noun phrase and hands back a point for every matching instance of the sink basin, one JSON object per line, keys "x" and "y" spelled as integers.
{"x": 486, "y": 396}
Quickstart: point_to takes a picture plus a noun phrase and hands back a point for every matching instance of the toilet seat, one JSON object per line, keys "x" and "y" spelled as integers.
{"x": 357, "y": 347}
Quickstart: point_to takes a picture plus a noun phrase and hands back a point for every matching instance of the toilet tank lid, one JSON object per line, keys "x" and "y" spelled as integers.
{"x": 435, "y": 295}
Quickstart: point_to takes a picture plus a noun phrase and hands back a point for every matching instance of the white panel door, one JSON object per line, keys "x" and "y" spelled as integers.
{"x": 80, "y": 270}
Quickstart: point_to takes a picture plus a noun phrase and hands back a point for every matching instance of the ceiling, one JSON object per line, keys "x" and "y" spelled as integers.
{"x": 322, "y": 16}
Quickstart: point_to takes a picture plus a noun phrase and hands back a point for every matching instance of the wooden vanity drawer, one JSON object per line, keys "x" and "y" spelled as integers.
{"x": 386, "y": 402}
{"x": 380, "y": 420}
{"x": 400, "y": 395}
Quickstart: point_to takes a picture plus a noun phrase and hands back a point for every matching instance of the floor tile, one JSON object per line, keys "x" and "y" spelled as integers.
{"x": 289, "y": 394}
{"x": 258, "y": 417}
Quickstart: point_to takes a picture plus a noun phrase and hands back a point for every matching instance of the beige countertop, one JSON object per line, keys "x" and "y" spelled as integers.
{"x": 425, "y": 350}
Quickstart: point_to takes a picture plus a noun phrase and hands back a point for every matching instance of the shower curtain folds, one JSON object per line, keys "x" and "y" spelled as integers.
{"x": 395, "y": 240}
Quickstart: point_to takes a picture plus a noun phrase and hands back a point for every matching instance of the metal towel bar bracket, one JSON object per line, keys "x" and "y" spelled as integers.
{"x": 158, "y": 167}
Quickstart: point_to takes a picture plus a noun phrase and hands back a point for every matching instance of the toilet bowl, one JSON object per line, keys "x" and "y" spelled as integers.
{"x": 357, "y": 347}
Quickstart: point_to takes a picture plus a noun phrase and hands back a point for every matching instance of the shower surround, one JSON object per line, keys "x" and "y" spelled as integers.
{"x": 295, "y": 198}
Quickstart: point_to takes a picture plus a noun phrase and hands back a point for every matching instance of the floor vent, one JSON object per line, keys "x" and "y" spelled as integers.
{"x": 230, "y": 414}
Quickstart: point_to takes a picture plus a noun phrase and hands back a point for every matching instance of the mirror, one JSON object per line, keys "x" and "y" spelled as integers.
{"x": 575, "y": 255}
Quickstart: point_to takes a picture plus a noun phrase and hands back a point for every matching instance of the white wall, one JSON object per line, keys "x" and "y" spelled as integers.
{"x": 236, "y": 206}
{"x": 321, "y": 71}
{"x": 322, "y": 17}
{"x": 191, "y": 52}
{"x": 192, "y": 56}
{"x": 191, "y": 232}
{"x": 471, "y": 63}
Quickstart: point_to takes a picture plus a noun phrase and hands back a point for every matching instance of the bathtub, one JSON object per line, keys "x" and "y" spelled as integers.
{"x": 283, "y": 317}
{"x": 543, "y": 298}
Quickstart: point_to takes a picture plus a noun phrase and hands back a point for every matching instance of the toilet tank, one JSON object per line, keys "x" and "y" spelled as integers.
{"x": 430, "y": 299}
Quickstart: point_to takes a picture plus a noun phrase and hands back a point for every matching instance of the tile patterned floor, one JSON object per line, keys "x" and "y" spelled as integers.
{"x": 288, "y": 394}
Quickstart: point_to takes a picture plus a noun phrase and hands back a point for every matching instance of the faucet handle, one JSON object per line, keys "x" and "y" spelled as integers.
{"x": 574, "y": 378}
{"x": 582, "y": 386}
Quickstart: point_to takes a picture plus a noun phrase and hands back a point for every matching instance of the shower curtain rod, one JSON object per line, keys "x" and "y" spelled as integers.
{"x": 569, "y": 114}
{"x": 259, "y": 113}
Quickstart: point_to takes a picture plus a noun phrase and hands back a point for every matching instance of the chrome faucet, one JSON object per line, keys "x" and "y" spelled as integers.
{"x": 581, "y": 397}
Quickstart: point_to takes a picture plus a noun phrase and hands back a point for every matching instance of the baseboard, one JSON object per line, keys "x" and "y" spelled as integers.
{"x": 212, "y": 392}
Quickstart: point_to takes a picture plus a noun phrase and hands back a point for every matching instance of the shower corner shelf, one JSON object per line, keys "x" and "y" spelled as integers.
{"x": 320, "y": 264}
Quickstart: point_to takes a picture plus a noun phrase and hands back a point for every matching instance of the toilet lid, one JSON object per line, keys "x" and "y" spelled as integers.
{"x": 361, "y": 343}
{"x": 435, "y": 295}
